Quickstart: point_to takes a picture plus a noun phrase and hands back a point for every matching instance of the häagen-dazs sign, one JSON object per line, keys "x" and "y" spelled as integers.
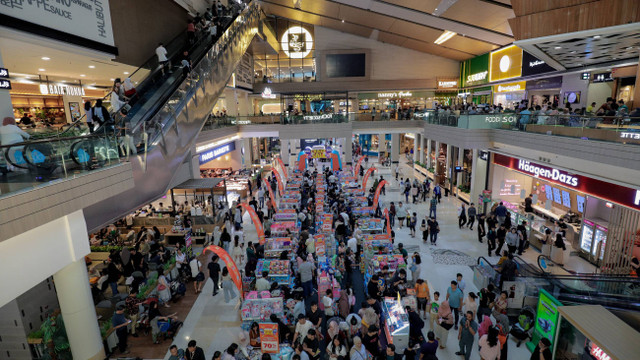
{"x": 89, "y": 19}
{"x": 548, "y": 173}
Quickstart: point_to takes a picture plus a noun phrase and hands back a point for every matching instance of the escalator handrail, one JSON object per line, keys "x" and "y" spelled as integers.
{"x": 485, "y": 259}
{"x": 546, "y": 258}
{"x": 522, "y": 264}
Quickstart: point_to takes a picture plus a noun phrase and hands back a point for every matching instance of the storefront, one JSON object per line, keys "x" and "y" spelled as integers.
{"x": 510, "y": 94}
{"x": 547, "y": 90}
{"x": 591, "y": 208}
{"x": 474, "y": 72}
{"x": 388, "y": 102}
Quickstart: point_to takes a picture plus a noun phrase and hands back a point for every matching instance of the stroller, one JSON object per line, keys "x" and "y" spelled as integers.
{"x": 521, "y": 330}
{"x": 178, "y": 289}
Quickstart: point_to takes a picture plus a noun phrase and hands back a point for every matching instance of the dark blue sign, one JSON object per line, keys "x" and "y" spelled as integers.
{"x": 5, "y": 84}
{"x": 4, "y": 73}
{"x": 216, "y": 152}
{"x": 531, "y": 65}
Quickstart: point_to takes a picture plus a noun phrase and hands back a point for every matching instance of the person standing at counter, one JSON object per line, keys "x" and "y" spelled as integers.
{"x": 501, "y": 213}
{"x": 528, "y": 203}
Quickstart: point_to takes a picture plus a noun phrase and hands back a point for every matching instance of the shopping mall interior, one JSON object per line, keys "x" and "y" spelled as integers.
{"x": 282, "y": 179}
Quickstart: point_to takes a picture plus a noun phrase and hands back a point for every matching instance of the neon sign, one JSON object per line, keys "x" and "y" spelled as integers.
{"x": 297, "y": 42}
{"x": 217, "y": 152}
{"x": 549, "y": 173}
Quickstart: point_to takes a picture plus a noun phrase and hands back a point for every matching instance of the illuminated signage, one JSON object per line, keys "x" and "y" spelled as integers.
{"x": 4, "y": 73}
{"x": 585, "y": 76}
{"x": 268, "y": 94}
{"x": 536, "y": 63}
{"x": 318, "y": 117}
{"x": 636, "y": 201}
{"x": 548, "y": 173}
{"x": 477, "y": 77}
{"x": 5, "y": 84}
{"x": 297, "y": 42}
{"x": 597, "y": 353}
{"x": 517, "y": 86}
{"x": 395, "y": 94}
{"x": 630, "y": 135}
{"x": 217, "y": 152}
{"x": 61, "y": 90}
{"x": 213, "y": 144}
{"x": 447, "y": 84}
{"x": 500, "y": 119}
{"x": 602, "y": 77}
{"x": 505, "y": 63}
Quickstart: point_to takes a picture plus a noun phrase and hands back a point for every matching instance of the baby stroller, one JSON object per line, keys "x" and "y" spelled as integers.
{"x": 169, "y": 328}
{"x": 522, "y": 328}
{"x": 178, "y": 289}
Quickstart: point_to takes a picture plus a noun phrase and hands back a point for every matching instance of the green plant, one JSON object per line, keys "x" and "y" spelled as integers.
{"x": 431, "y": 169}
{"x": 54, "y": 336}
{"x": 106, "y": 248}
{"x": 37, "y": 334}
{"x": 104, "y": 329}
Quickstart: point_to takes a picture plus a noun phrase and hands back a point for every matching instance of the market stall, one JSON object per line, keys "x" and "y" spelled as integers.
{"x": 278, "y": 270}
{"x": 396, "y": 323}
{"x": 279, "y": 228}
{"x": 370, "y": 225}
{"x": 275, "y": 246}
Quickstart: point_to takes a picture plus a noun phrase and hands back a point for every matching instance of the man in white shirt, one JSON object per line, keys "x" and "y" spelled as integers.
{"x": 262, "y": 284}
{"x": 353, "y": 244}
{"x": 302, "y": 328}
{"x": 161, "y": 52}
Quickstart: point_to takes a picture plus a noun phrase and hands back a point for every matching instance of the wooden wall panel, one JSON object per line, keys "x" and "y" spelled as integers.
{"x": 526, "y": 7}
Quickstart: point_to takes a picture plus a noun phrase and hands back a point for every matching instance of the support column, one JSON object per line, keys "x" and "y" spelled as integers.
{"x": 422, "y": 145}
{"x": 473, "y": 195}
{"x": 246, "y": 157}
{"x": 395, "y": 148}
{"x": 284, "y": 151}
{"x": 460, "y": 161}
{"x": 416, "y": 145}
{"x": 428, "y": 160}
{"x": 447, "y": 165}
{"x": 348, "y": 158}
{"x": 76, "y": 305}
{"x": 5, "y": 99}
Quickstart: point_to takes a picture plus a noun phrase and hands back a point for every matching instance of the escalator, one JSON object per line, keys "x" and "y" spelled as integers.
{"x": 619, "y": 293}
{"x": 158, "y": 132}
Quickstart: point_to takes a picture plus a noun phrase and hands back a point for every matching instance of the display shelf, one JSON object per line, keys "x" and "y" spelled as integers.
{"x": 261, "y": 309}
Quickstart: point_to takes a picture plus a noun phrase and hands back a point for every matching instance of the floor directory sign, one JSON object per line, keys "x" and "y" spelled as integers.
{"x": 547, "y": 317}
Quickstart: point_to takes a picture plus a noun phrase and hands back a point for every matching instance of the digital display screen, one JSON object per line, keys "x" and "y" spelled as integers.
{"x": 556, "y": 196}
{"x": 580, "y": 203}
{"x": 566, "y": 198}
{"x": 345, "y": 65}
{"x": 547, "y": 191}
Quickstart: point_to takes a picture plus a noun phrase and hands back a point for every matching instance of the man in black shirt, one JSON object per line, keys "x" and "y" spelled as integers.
{"x": 254, "y": 204}
{"x": 372, "y": 288}
{"x": 500, "y": 234}
{"x": 487, "y": 297}
{"x": 509, "y": 270}
{"x": 542, "y": 351}
{"x": 370, "y": 340}
{"x": 315, "y": 315}
{"x": 311, "y": 346}
{"x": 522, "y": 229}
{"x": 194, "y": 352}
{"x": 214, "y": 273}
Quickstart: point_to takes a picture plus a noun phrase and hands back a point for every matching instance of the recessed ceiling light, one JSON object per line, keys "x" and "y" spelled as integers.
{"x": 126, "y": 73}
{"x": 41, "y": 69}
{"x": 597, "y": 37}
{"x": 45, "y": 58}
{"x": 83, "y": 75}
{"x": 558, "y": 47}
{"x": 444, "y": 37}
{"x": 92, "y": 67}
{"x": 343, "y": 21}
{"x": 112, "y": 79}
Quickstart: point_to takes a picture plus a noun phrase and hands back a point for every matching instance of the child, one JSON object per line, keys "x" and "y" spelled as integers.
{"x": 461, "y": 283}
{"x": 433, "y": 313}
{"x": 425, "y": 231}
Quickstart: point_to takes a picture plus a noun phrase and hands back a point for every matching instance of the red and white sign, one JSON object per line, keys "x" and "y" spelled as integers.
{"x": 269, "y": 338}
{"x": 598, "y": 353}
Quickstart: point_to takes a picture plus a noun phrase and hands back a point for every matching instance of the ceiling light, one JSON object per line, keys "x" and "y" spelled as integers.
{"x": 41, "y": 70}
{"x": 558, "y": 47}
{"x": 126, "y": 73}
{"x": 597, "y": 37}
{"x": 92, "y": 67}
{"x": 573, "y": 52}
{"x": 343, "y": 21}
{"x": 444, "y": 37}
{"x": 45, "y": 58}
{"x": 83, "y": 75}
{"x": 112, "y": 79}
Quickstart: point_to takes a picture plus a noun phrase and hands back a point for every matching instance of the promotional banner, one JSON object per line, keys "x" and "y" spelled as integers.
{"x": 229, "y": 263}
{"x": 271, "y": 196}
{"x": 269, "y": 338}
{"x": 386, "y": 215}
{"x": 284, "y": 169}
{"x": 357, "y": 170}
{"x": 377, "y": 195}
{"x": 279, "y": 179}
{"x": 547, "y": 317}
{"x": 366, "y": 177}
{"x": 256, "y": 221}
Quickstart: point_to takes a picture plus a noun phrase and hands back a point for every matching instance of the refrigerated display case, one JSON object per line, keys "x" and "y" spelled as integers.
{"x": 600, "y": 240}
{"x": 396, "y": 323}
{"x": 586, "y": 239}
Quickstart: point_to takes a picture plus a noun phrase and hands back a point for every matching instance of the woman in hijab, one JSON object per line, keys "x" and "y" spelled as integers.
{"x": 484, "y": 326}
{"x": 343, "y": 304}
{"x": 502, "y": 323}
{"x": 445, "y": 322}
{"x": 334, "y": 329}
{"x": 10, "y": 133}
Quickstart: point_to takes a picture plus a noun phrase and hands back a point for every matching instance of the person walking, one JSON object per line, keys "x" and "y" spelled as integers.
{"x": 512, "y": 240}
{"x": 462, "y": 216}
{"x": 119, "y": 322}
{"x": 445, "y": 322}
{"x": 471, "y": 214}
{"x": 88, "y": 115}
{"x": 411, "y": 220}
{"x": 501, "y": 234}
{"x": 522, "y": 231}
{"x": 455, "y": 298}
{"x": 489, "y": 345}
{"x": 425, "y": 231}
{"x": 433, "y": 206}
{"x": 401, "y": 214}
{"x": 306, "y": 277}
{"x": 501, "y": 213}
{"x": 214, "y": 273}
{"x": 491, "y": 241}
{"x": 481, "y": 228}
{"x": 422, "y": 295}
{"x": 228, "y": 286}
{"x": 434, "y": 229}
{"x": 468, "y": 329}
{"x": 392, "y": 215}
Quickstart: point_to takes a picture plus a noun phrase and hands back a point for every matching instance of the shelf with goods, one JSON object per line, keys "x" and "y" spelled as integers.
{"x": 288, "y": 204}
{"x": 369, "y": 225}
{"x": 396, "y": 322}
{"x": 260, "y": 309}
{"x": 372, "y": 244}
{"x": 378, "y": 261}
{"x": 275, "y": 246}
{"x": 278, "y": 270}
{"x": 291, "y": 194}
{"x": 326, "y": 281}
{"x": 279, "y": 228}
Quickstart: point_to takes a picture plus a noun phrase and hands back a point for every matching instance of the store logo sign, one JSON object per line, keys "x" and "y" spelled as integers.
{"x": 535, "y": 63}
{"x": 597, "y": 353}
{"x": 505, "y": 63}
{"x": 447, "y": 84}
{"x": 477, "y": 77}
{"x": 217, "y": 152}
{"x": 61, "y": 90}
{"x": 4, "y": 73}
{"x": 318, "y": 117}
{"x": 630, "y": 135}
{"x": 497, "y": 119}
{"x": 548, "y": 173}
{"x": 268, "y": 94}
{"x": 509, "y": 88}
{"x": 395, "y": 95}
{"x": 297, "y": 42}
{"x": 5, "y": 84}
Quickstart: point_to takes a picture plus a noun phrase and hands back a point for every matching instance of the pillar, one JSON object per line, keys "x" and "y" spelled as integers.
{"x": 636, "y": 91}
{"x": 436, "y": 168}
{"x": 347, "y": 148}
{"x": 447, "y": 164}
{"x": 416, "y": 146}
{"x": 473, "y": 191}
{"x": 5, "y": 99}
{"x": 284, "y": 151}
{"x": 76, "y": 305}
{"x": 460, "y": 161}
{"x": 246, "y": 156}
{"x": 395, "y": 148}
{"x": 428, "y": 160}
{"x": 422, "y": 145}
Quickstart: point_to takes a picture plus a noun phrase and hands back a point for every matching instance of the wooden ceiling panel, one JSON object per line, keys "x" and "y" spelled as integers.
{"x": 364, "y": 17}
{"x": 480, "y": 13}
{"x": 415, "y": 31}
{"x": 423, "y": 46}
{"x": 392, "y": 39}
{"x": 291, "y": 14}
{"x": 346, "y": 27}
{"x": 454, "y": 54}
{"x": 427, "y": 6}
{"x": 468, "y": 45}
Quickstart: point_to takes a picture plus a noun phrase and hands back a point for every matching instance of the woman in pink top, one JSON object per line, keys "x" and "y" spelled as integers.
{"x": 489, "y": 345}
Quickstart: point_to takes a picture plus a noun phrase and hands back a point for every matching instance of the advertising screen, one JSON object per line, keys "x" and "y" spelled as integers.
{"x": 556, "y": 196}
{"x": 547, "y": 191}
{"x": 547, "y": 317}
{"x": 580, "y": 203}
{"x": 566, "y": 198}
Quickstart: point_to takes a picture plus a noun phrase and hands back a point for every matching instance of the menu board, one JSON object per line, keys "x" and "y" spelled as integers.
{"x": 580, "y": 203}
{"x": 556, "y": 196}
{"x": 566, "y": 198}
{"x": 547, "y": 191}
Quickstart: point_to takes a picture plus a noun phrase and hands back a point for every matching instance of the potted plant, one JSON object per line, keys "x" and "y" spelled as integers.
{"x": 54, "y": 336}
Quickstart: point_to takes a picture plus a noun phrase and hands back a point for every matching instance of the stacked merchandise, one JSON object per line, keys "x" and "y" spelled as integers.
{"x": 371, "y": 225}
{"x": 372, "y": 244}
{"x": 288, "y": 204}
{"x": 260, "y": 309}
{"x": 275, "y": 246}
{"x": 286, "y": 215}
{"x": 279, "y": 228}
{"x": 326, "y": 281}
{"x": 278, "y": 270}
{"x": 290, "y": 194}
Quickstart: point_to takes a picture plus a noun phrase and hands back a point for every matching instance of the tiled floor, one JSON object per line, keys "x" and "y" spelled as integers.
{"x": 215, "y": 324}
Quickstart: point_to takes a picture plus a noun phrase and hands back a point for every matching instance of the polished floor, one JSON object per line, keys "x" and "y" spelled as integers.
{"x": 214, "y": 324}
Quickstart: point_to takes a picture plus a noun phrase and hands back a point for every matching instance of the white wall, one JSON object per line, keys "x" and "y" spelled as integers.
{"x": 31, "y": 257}
{"x": 599, "y": 92}
{"x": 572, "y": 82}
{"x": 388, "y": 62}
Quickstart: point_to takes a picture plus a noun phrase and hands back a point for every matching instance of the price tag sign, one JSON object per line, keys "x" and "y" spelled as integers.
{"x": 269, "y": 338}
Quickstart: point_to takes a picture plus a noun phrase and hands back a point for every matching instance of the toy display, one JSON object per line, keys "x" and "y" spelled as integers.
{"x": 279, "y": 228}
{"x": 275, "y": 246}
{"x": 261, "y": 309}
{"x": 372, "y": 246}
{"x": 285, "y": 215}
{"x": 288, "y": 203}
{"x": 371, "y": 225}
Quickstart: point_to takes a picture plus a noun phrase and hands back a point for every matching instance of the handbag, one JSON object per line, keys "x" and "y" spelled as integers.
{"x": 446, "y": 326}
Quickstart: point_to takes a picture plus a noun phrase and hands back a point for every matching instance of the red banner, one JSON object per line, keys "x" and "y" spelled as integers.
{"x": 377, "y": 195}
{"x": 386, "y": 215}
{"x": 279, "y": 179}
{"x": 357, "y": 168}
{"x": 284, "y": 169}
{"x": 228, "y": 261}
{"x": 271, "y": 196}
{"x": 366, "y": 177}
{"x": 269, "y": 338}
{"x": 256, "y": 221}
